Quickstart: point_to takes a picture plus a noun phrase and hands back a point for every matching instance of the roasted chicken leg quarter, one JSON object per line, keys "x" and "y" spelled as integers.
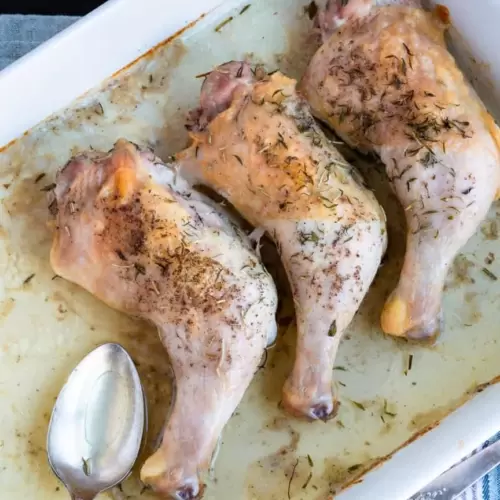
{"x": 255, "y": 142}
{"x": 385, "y": 82}
{"x": 133, "y": 233}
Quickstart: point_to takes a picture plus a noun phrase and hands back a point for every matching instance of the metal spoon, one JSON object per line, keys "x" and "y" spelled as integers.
{"x": 97, "y": 424}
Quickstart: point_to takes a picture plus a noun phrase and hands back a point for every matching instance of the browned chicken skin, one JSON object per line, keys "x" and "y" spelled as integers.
{"x": 385, "y": 82}
{"x": 255, "y": 142}
{"x": 134, "y": 234}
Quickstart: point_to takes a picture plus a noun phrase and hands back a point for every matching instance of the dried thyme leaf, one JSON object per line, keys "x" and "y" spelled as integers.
{"x": 333, "y": 329}
{"x": 340, "y": 368}
{"x": 86, "y": 466}
{"x": 309, "y": 459}
{"x": 407, "y": 49}
{"x": 305, "y": 237}
{"x": 409, "y": 364}
{"x": 49, "y": 187}
{"x": 99, "y": 109}
{"x": 221, "y": 25}
{"x": 28, "y": 279}
{"x": 120, "y": 254}
{"x": 358, "y": 405}
{"x": 387, "y": 410}
{"x": 308, "y": 480}
{"x": 489, "y": 274}
{"x": 244, "y": 9}
{"x": 203, "y": 75}
{"x": 291, "y": 478}
{"x": 39, "y": 177}
{"x": 354, "y": 467}
{"x": 403, "y": 67}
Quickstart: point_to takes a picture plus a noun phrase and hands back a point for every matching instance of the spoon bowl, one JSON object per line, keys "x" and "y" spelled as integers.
{"x": 97, "y": 424}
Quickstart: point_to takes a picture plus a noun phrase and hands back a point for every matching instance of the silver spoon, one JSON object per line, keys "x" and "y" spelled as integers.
{"x": 97, "y": 424}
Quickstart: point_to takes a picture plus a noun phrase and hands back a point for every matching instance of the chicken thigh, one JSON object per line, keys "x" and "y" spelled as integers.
{"x": 134, "y": 234}
{"x": 255, "y": 142}
{"x": 385, "y": 82}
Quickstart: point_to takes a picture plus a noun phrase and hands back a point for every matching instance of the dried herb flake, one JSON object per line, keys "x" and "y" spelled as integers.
{"x": 387, "y": 410}
{"x": 333, "y": 329}
{"x": 28, "y": 279}
{"x": 221, "y": 25}
{"x": 358, "y": 405}
{"x": 86, "y": 466}
{"x": 244, "y": 9}
{"x": 308, "y": 480}
{"x": 489, "y": 274}
{"x": 291, "y": 478}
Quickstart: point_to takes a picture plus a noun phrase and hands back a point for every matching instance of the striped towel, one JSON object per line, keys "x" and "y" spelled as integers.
{"x": 489, "y": 487}
{"x": 20, "y": 34}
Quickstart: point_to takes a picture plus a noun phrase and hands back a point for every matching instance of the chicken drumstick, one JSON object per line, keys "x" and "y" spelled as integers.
{"x": 134, "y": 234}
{"x": 255, "y": 142}
{"x": 385, "y": 82}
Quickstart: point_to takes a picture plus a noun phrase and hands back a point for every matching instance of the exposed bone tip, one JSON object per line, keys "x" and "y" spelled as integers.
{"x": 395, "y": 319}
{"x": 122, "y": 143}
{"x": 427, "y": 332}
{"x": 189, "y": 492}
{"x": 169, "y": 483}
{"x": 324, "y": 410}
{"x": 153, "y": 468}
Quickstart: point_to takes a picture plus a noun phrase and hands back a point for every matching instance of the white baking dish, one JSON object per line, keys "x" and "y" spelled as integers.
{"x": 47, "y": 326}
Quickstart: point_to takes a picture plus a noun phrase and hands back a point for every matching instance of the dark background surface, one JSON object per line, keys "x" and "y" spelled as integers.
{"x": 70, "y": 7}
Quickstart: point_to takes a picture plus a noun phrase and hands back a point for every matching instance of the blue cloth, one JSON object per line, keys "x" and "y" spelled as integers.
{"x": 489, "y": 487}
{"x": 20, "y": 34}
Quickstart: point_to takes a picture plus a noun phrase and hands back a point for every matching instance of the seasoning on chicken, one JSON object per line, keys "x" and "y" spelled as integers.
{"x": 133, "y": 233}
{"x": 385, "y": 82}
{"x": 255, "y": 142}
